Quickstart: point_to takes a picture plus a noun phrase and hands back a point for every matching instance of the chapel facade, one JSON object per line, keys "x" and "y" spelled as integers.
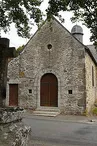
{"x": 54, "y": 70}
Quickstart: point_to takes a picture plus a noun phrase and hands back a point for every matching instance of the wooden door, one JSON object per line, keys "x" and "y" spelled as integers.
{"x": 49, "y": 90}
{"x": 13, "y": 95}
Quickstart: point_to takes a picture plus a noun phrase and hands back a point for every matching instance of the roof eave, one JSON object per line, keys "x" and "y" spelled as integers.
{"x": 89, "y": 52}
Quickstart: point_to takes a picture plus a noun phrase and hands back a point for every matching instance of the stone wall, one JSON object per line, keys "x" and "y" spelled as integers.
{"x": 90, "y": 88}
{"x": 12, "y": 130}
{"x": 14, "y": 134}
{"x": 8, "y": 115}
{"x": 66, "y": 60}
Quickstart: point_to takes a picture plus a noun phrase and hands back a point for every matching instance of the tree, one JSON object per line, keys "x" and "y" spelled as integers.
{"x": 84, "y": 10}
{"x": 19, "y": 12}
{"x": 19, "y": 50}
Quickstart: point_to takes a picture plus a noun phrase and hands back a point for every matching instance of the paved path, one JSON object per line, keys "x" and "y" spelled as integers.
{"x": 62, "y": 131}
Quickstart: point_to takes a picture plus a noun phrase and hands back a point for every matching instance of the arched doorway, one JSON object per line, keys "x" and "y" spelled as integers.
{"x": 49, "y": 90}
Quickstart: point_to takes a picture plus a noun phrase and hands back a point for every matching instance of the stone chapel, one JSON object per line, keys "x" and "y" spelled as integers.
{"x": 55, "y": 71}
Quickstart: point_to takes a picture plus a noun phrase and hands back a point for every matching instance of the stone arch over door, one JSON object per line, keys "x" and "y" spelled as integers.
{"x": 49, "y": 90}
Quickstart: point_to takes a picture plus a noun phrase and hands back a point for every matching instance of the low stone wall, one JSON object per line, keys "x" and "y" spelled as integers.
{"x": 16, "y": 134}
{"x": 10, "y": 114}
{"x": 12, "y": 130}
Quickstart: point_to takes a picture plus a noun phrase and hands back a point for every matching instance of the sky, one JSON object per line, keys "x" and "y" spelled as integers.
{"x": 16, "y": 41}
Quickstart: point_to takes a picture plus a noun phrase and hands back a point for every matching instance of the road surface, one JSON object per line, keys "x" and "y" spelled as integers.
{"x": 56, "y": 132}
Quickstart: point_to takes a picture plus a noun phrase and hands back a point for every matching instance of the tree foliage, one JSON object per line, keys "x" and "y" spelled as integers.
{"x": 19, "y": 50}
{"x": 20, "y": 12}
{"x": 84, "y": 10}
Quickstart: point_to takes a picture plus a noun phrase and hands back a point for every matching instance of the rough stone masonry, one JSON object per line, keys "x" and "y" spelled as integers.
{"x": 12, "y": 132}
{"x": 5, "y": 52}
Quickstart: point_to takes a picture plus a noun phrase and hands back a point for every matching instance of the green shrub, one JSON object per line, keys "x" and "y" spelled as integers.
{"x": 94, "y": 111}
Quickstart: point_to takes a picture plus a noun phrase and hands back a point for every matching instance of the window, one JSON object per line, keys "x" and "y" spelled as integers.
{"x": 30, "y": 91}
{"x": 69, "y": 91}
{"x": 49, "y": 46}
{"x": 92, "y": 76}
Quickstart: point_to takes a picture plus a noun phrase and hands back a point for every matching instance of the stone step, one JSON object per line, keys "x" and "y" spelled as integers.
{"x": 45, "y": 113}
{"x": 49, "y": 109}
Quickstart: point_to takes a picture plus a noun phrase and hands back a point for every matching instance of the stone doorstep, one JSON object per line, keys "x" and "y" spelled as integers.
{"x": 51, "y": 109}
{"x": 45, "y": 113}
{"x": 49, "y": 112}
